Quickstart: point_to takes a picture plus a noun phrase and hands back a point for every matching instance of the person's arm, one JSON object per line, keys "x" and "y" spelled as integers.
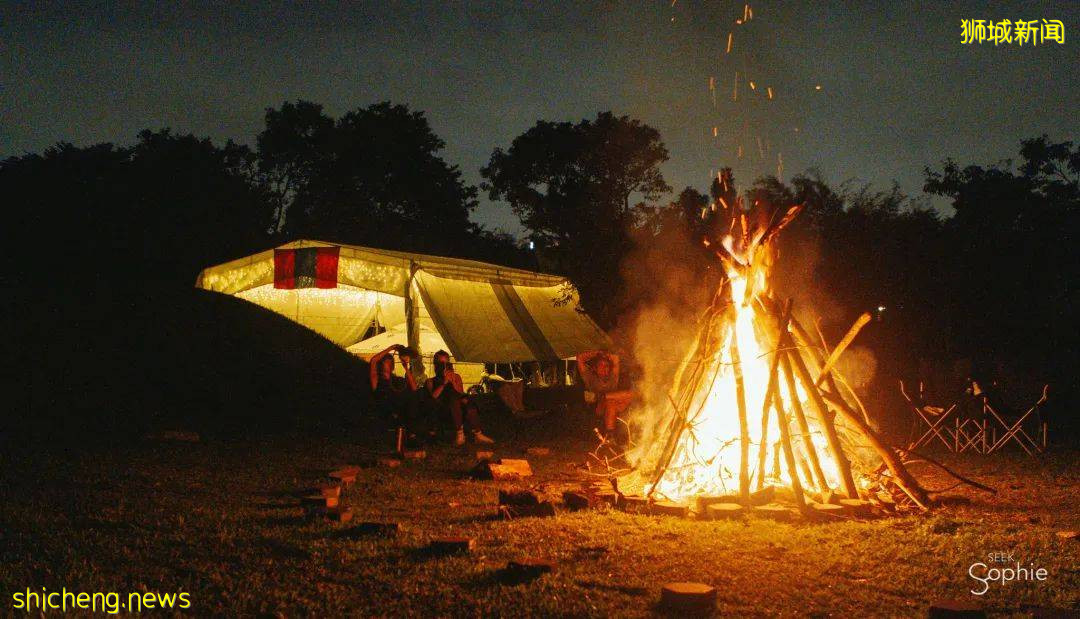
{"x": 455, "y": 382}
{"x": 410, "y": 379}
{"x": 373, "y": 364}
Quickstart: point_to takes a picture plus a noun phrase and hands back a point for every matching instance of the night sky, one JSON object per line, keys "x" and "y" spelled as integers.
{"x": 898, "y": 89}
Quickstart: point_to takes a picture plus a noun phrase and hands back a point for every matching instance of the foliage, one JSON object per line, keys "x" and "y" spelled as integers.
{"x": 572, "y": 186}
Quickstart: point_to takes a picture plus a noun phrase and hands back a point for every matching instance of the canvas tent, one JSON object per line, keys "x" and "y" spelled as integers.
{"x": 479, "y": 312}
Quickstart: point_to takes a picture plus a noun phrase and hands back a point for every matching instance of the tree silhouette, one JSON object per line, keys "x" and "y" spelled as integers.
{"x": 572, "y": 186}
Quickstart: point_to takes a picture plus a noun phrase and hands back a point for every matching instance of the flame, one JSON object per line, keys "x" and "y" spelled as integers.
{"x": 706, "y": 460}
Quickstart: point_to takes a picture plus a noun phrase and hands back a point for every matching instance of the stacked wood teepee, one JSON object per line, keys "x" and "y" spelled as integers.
{"x": 806, "y": 395}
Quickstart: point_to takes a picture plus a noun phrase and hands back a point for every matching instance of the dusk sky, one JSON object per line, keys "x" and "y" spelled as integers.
{"x": 898, "y": 89}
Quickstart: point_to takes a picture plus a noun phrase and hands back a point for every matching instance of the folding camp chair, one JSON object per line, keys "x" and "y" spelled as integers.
{"x": 933, "y": 418}
{"x": 1015, "y": 430}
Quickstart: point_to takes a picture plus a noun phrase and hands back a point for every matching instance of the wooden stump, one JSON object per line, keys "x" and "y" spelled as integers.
{"x": 857, "y": 507}
{"x": 827, "y": 511}
{"x": 773, "y": 511}
{"x": 688, "y": 596}
{"x": 725, "y": 511}
{"x": 610, "y": 497}
{"x": 346, "y": 475}
{"x": 669, "y": 508}
{"x": 390, "y": 462}
{"x": 452, "y": 545}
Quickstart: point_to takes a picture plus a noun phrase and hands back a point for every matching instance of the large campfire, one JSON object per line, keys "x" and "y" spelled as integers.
{"x": 758, "y": 400}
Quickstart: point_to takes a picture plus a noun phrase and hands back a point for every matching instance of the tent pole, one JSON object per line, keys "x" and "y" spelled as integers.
{"x": 412, "y": 330}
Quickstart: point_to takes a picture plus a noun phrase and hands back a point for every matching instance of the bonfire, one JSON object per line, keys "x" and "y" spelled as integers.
{"x": 758, "y": 401}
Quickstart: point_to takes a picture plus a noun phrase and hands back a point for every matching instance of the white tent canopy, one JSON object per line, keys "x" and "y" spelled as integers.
{"x": 481, "y": 312}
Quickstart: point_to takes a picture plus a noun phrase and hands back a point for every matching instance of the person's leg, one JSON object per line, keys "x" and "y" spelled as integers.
{"x": 472, "y": 416}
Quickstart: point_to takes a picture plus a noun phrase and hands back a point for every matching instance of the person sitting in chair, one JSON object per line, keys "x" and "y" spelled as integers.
{"x": 395, "y": 396}
{"x": 447, "y": 399}
{"x": 599, "y": 371}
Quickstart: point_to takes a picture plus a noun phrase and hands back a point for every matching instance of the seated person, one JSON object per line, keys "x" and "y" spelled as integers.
{"x": 395, "y": 396}
{"x": 599, "y": 371}
{"x": 447, "y": 399}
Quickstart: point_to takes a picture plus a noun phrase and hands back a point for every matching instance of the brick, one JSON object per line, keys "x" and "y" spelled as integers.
{"x": 688, "y": 596}
{"x": 452, "y": 545}
{"x": 725, "y": 511}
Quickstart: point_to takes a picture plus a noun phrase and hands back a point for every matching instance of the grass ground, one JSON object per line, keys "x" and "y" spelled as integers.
{"x": 220, "y": 520}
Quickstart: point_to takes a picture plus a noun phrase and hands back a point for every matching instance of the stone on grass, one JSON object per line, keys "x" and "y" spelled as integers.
{"x": 688, "y": 596}
{"x": 725, "y": 511}
{"x": 669, "y": 508}
{"x": 949, "y": 609}
{"x": 451, "y": 545}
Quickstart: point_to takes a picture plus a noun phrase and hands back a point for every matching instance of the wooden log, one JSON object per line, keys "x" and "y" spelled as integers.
{"x": 766, "y": 403}
{"x": 900, "y": 474}
{"x": 841, "y": 347}
{"x": 826, "y": 419}
{"x": 789, "y": 453}
{"x": 804, "y": 426}
{"x": 744, "y": 427}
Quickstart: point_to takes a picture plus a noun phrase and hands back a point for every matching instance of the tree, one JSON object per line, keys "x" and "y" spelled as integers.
{"x": 572, "y": 184}
{"x": 372, "y": 177}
